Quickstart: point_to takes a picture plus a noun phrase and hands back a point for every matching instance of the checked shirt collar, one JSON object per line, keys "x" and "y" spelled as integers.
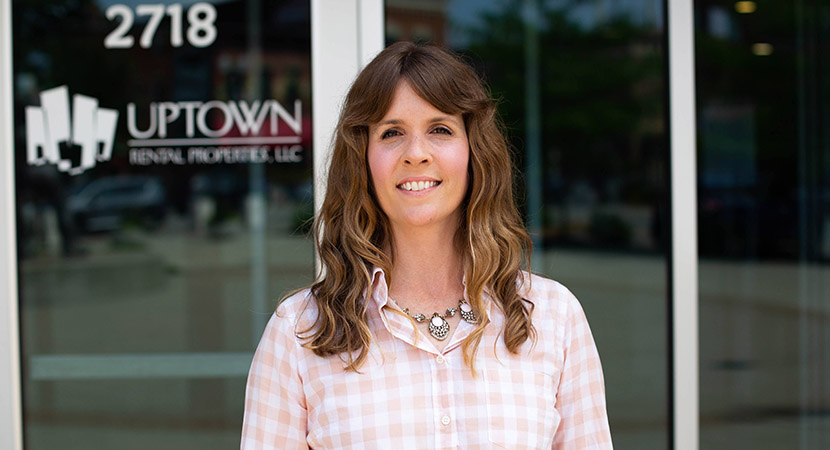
{"x": 400, "y": 326}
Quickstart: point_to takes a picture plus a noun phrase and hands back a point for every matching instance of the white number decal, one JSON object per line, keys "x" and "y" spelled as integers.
{"x": 175, "y": 13}
{"x": 117, "y": 38}
{"x": 156, "y": 13}
{"x": 201, "y": 19}
{"x": 202, "y": 31}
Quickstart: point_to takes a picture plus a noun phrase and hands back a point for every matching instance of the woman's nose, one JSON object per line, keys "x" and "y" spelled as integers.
{"x": 417, "y": 151}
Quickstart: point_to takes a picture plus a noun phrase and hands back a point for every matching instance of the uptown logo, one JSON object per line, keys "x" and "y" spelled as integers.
{"x": 210, "y": 132}
{"x": 215, "y": 132}
{"x": 248, "y": 119}
{"x": 53, "y": 136}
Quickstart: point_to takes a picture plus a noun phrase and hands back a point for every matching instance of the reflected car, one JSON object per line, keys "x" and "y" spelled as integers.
{"x": 110, "y": 203}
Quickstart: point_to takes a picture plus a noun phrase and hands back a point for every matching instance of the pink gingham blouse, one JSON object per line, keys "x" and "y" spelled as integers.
{"x": 408, "y": 395}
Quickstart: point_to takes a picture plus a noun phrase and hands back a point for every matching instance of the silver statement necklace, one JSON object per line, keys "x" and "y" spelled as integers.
{"x": 439, "y": 328}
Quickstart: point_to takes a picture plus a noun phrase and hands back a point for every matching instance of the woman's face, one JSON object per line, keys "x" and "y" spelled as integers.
{"x": 418, "y": 159}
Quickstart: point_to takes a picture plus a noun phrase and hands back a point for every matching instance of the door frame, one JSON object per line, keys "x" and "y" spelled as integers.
{"x": 346, "y": 34}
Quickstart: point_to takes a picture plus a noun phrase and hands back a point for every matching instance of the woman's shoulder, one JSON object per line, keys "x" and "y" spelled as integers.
{"x": 537, "y": 286}
{"x": 295, "y": 304}
{"x": 297, "y": 310}
{"x": 293, "y": 314}
{"x": 549, "y": 297}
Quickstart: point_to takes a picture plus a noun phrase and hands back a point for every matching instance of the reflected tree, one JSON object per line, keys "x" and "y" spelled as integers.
{"x": 602, "y": 107}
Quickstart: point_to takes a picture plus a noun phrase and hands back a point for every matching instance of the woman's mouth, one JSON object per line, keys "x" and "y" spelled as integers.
{"x": 418, "y": 185}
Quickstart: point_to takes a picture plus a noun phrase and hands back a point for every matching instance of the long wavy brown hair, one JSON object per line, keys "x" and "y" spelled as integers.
{"x": 351, "y": 230}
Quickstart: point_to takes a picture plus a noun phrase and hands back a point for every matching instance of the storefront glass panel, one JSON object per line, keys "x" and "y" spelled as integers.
{"x": 582, "y": 92}
{"x": 763, "y": 96}
{"x": 164, "y": 190}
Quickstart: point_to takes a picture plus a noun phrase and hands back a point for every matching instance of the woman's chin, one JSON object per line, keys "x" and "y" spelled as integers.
{"x": 425, "y": 221}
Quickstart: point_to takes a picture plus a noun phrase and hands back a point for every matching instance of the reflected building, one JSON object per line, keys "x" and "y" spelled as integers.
{"x": 417, "y": 21}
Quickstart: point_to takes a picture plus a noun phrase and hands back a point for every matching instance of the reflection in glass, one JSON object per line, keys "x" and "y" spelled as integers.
{"x": 146, "y": 279}
{"x": 764, "y": 228}
{"x": 581, "y": 89}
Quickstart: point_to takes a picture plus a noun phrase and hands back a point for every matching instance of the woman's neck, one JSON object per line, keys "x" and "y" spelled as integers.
{"x": 428, "y": 270}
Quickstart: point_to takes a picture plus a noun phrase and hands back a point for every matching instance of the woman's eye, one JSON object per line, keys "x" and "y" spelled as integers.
{"x": 389, "y": 133}
{"x": 442, "y": 130}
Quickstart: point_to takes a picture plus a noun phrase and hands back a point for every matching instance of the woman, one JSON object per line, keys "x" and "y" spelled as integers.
{"x": 422, "y": 330}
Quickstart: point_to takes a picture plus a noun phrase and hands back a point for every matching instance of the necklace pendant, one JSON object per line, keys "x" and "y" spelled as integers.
{"x": 467, "y": 312}
{"x": 438, "y": 327}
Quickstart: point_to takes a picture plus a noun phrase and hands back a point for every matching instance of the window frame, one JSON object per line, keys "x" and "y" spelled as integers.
{"x": 346, "y": 34}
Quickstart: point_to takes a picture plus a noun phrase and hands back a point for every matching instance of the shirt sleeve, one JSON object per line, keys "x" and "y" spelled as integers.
{"x": 580, "y": 398}
{"x": 275, "y": 408}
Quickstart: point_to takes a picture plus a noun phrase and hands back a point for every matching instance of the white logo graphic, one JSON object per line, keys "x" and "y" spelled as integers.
{"x": 51, "y": 132}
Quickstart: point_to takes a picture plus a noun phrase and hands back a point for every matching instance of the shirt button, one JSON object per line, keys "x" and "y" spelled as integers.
{"x": 440, "y": 360}
{"x": 445, "y": 420}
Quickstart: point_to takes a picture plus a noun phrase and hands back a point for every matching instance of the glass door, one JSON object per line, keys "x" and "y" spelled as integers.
{"x": 164, "y": 189}
{"x": 582, "y": 92}
{"x": 764, "y": 218}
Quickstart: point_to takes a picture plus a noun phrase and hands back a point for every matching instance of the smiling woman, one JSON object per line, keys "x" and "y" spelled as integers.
{"x": 419, "y": 230}
{"x": 418, "y": 160}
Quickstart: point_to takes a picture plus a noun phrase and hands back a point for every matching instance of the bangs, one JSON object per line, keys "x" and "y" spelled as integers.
{"x": 443, "y": 80}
